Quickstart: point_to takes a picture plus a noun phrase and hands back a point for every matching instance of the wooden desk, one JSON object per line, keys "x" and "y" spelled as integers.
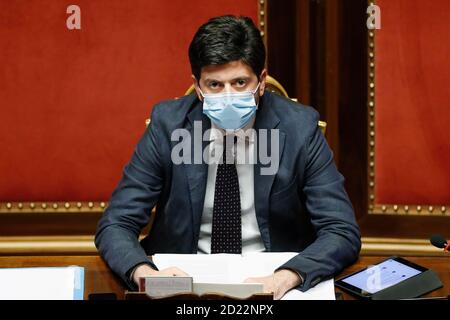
{"x": 100, "y": 279}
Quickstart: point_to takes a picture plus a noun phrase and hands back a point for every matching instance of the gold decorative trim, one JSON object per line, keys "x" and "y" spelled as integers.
{"x": 371, "y": 118}
{"x": 84, "y": 245}
{"x": 47, "y": 245}
{"x": 403, "y": 247}
{"x": 262, "y": 19}
{"x": 411, "y": 210}
{"x": 395, "y": 208}
{"x": 52, "y": 207}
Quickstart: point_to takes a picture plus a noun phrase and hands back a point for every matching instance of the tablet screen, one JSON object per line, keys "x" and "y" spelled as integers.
{"x": 381, "y": 276}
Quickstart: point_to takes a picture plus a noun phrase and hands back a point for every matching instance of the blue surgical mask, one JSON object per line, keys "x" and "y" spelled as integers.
{"x": 230, "y": 110}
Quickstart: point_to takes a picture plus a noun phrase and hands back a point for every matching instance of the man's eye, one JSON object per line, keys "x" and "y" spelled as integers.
{"x": 241, "y": 83}
{"x": 214, "y": 84}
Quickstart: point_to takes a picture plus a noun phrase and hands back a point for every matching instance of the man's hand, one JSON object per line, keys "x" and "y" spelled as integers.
{"x": 279, "y": 283}
{"x": 145, "y": 270}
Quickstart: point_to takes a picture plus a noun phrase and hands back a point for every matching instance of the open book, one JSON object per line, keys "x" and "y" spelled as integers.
{"x": 235, "y": 268}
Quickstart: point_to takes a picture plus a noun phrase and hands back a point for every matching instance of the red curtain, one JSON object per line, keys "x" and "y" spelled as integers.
{"x": 73, "y": 102}
{"x": 412, "y": 150}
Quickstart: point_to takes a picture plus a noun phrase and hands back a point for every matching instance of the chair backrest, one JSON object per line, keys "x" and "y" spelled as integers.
{"x": 272, "y": 85}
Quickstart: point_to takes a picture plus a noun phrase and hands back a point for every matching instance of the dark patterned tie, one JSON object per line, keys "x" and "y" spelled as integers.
{"x": 226, "y": 235}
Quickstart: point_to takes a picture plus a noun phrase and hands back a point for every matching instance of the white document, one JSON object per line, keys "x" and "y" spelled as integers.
{"x": 58, "y": 283}
{"x": 235, "y": 268}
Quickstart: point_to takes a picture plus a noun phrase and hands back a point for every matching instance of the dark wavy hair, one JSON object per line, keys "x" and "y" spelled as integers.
{"x": 224, "y": 39}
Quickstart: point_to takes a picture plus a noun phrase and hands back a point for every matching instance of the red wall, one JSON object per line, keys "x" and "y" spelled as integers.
{"x": 73, "y": 102}
{"x": 413, "y": 102}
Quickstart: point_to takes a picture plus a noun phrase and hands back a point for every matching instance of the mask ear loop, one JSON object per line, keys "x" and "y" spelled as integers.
{"x": 254, "y": 92}
{"x": 200, "y": 89}
{"x": 256, "y": 89}
{"x": 201, "y": 92}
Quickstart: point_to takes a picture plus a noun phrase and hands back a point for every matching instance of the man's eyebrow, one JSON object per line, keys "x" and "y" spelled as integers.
{"x": 241, "y": 78}
{"x": 232, "y": 80}
{"x": 211, "y": 80}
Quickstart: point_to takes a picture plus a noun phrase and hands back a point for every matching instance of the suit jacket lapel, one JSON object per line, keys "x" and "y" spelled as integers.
{"x": 267, "y": 119}
{"x": 197, "y": 173}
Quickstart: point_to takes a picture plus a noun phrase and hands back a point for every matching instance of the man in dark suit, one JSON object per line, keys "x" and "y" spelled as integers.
{"x": 293, "y": 200}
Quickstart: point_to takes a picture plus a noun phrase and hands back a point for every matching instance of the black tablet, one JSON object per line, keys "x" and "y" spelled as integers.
{"x": 381, "y": 276}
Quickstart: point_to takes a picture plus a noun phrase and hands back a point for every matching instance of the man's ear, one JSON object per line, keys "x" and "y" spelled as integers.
{"x": 197, "y": 87}
{"x": 262, "y": 80}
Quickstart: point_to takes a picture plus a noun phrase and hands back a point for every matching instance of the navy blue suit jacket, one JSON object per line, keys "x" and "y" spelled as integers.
{"x": 302, "y": 208}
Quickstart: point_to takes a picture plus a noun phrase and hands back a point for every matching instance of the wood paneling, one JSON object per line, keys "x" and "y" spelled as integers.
{"x": 35, "y": 224}
{"x": 327, "y": 51}
{"x": 281, "y": 42}
{"x": 352, "y": 102}
{"x": 330, "y": 61}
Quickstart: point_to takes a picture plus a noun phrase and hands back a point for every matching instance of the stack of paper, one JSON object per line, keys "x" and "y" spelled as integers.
{"x": 56, "y": 283}
{"x": 235, "y": 268}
